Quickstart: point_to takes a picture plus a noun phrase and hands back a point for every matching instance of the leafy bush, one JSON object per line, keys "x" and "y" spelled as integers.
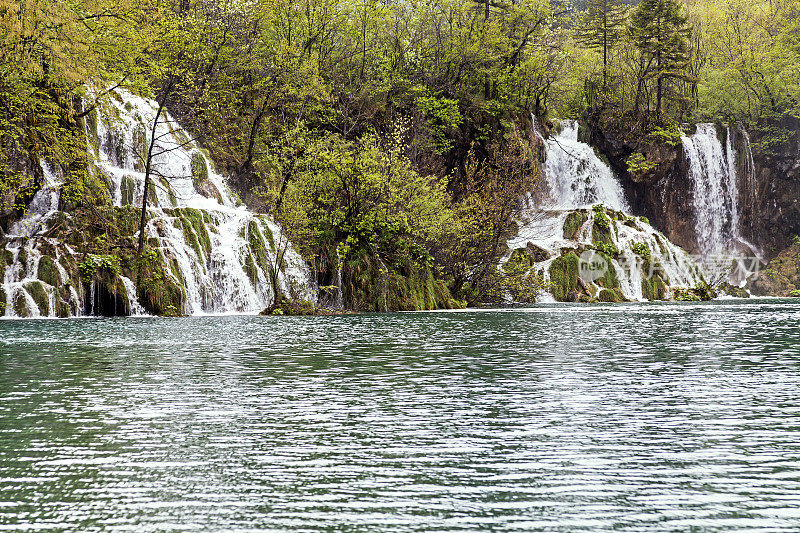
{"x": 641, "y": 249}
{"x": 638, "y": 163}
{"x": 606, "y": 247}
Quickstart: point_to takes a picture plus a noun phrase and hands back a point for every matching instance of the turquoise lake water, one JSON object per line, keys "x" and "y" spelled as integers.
{"x": 635, "y": 417}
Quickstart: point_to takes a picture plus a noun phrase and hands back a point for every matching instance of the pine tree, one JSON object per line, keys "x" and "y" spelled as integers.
{"x": 661, "y": 33}
{"x": 601, "y": 27}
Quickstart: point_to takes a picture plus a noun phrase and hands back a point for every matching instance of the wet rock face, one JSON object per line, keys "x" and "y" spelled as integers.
{"x": 22, "y": 187}
{"x": 768, "y": 184}
{"x": 664, "y": 193}
{"x": 781, "y": 276}
{"x": 771, "y": 204}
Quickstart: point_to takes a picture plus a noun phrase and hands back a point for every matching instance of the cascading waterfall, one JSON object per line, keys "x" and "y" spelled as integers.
{"x": 578, "y": 179}
{"x": 712, "y": 170}
{"x": 576, "y": 176}
{"x": 222, "y": 255}
{"x": 715, "y": 180}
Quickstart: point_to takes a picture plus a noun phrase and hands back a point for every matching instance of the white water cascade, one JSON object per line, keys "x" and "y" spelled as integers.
{"x": 712, "y": 170}
{"x": 715, "y": 181}
{"x": 577, "y": 178}
{"x": 227, "y": 273}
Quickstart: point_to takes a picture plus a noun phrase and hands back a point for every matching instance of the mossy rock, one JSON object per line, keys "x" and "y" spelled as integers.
{"x": 165, "y": 184}
{"x": 573, "y": 223}
{"x": 158, "y": 293}
{"x": 609, "y": 279}
{"x": 62, "y": 309}
{"x": 368, "y": 285}
{"x": 48, "y": 272}
{"x": 127, "y": 191}
{"x": 140, "y": 148}
{"x": 39, "y": 295}
{"x": 602, "y": 229}
{"x": 3, "y": 298}
{"x": 564, "y": 272}
{"x": 199, "y": 169}
{"x": 608, "y": 295}
{"x": 20, "y": 304}
{"x": 267, "y": 232}
{"x": 194, "y": 230}
{"x": 654, "y": 288}
{"x": 738, "y": 292}
{"x": 260, "y": 256}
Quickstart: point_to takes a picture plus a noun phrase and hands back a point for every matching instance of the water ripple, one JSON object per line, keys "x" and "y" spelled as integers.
{"x": 645, "y": 417}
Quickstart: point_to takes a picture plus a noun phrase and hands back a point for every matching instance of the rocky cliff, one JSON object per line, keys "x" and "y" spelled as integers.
{"x": 766, "y": 162}
{"x": 771, "y": 202}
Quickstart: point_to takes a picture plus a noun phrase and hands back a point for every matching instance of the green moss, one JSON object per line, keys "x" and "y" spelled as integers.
{"x": 194, "y": 230}
{"x": 48, "y": 272}
{"x": 3, "y": 298}
{"x": 251, "y": 270}
{"x": 21, "y": 308}
{"x": 268, "y": 234}
{"x": 199, "y": 169}
{"x": 62, "y": 308}
{"x": 370, "y": 285}
{"x": 608, "y": 295}
{"x": 158, "y": 292}
{"x": 128, "y": 190}
{"x": 140, "y": 148}
{"x": 170, "y": 193}
{"x": 573, "y": 223}
{"x": 654, "y": 288}
{"x": 602, "y": 229}
{"x": 564, "y": 272}
{"x": 39, "y": 295}
{"x": 256, "y": 241}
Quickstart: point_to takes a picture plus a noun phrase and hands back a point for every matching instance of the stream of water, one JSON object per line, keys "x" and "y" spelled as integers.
{"x": 634, "y": 417}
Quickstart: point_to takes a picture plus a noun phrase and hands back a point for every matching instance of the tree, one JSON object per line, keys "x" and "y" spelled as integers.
{"x": 661, "y": 33}
{"x": 601, "y": 27}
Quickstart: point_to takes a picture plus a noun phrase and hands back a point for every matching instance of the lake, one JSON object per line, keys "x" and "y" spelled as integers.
{"x": 633, "y": 417}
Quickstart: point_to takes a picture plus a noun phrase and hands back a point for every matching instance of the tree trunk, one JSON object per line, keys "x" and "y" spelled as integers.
{"x": 148, "y": 169}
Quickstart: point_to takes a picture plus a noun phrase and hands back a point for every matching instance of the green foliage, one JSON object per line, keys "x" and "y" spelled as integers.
{"x": 606, "y": 247}
{"x": 441, "y": 116}
{"x": 641, "y": 249}
{"x": 602, "y": 229}
{"x": 661, "y": 32}
{"x": 602, "y": 220}
{"x": 670, "y": 135}
{"x": 638, "y": 163}
{"x": 95, "y": 264}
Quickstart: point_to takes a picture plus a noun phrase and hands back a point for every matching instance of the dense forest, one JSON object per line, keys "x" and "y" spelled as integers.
{"x": 389, "y": 139}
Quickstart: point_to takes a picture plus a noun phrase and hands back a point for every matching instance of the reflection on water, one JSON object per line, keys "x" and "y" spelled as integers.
{"x": 571, "y": 418}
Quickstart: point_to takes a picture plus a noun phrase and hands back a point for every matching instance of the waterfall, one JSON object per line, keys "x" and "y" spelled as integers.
{"x": 577, "y": 178}
{"x": 712, "y": 170}
{"x": 715, "y": 181}
{"x": 219, "y": 253}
